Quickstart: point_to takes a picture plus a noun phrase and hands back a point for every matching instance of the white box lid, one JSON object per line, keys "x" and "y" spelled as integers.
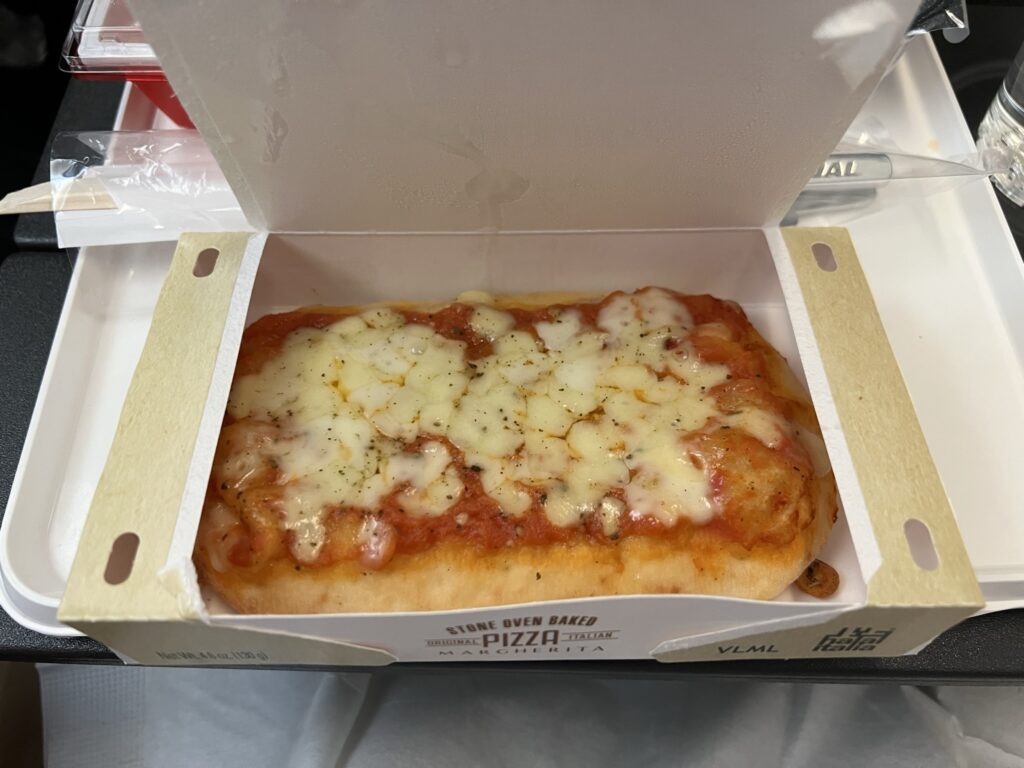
{"x": 453, "y": 115}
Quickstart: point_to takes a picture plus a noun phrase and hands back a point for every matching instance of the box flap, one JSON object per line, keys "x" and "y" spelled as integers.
{"x": 920, "y": 557}
{"x": 118, "y": 571}
{"x": 455, "y": 116}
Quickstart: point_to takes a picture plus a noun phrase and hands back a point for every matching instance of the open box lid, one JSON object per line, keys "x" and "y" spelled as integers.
{"x": 528, "y": 116}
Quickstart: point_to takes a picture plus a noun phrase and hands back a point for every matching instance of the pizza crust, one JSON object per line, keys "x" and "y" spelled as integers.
{"x": 453, "y": 575}
{"x": 449, "y": 577}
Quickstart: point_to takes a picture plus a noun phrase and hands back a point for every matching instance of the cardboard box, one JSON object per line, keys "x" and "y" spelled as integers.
{"x": 586, "y": 167}
{"x": 153, "y": 490}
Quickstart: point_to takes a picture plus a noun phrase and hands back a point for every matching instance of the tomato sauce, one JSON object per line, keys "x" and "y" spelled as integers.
{"x": 263, "y": 339}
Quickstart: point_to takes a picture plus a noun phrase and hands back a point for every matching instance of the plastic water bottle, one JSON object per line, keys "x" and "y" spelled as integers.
{"x": 1002, "y": 131}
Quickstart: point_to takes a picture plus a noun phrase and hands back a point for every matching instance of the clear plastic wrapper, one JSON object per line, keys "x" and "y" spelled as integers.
{"x": 112, "y": 187}
{"x": 159, "y": 183}
{"x": 949, "y": 16}
{"x": 868, "y": 172}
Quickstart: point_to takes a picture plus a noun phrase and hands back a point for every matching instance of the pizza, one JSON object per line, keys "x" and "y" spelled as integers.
{"x": 501, "y": 450}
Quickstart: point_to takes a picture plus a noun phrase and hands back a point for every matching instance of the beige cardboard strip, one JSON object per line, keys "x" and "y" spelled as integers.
{"x": 907, "y": 605}
{"x": 139, "y": 492}
{"x": 894, "y": 467}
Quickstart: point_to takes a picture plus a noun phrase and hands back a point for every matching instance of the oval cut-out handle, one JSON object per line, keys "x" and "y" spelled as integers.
{"x": 121, "y": 559}
{"x": 824, "y": 257}
{"x": 206, "y": 262}
{"x": 922, "y": 549}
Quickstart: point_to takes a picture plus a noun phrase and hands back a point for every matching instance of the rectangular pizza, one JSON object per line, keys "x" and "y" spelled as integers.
{"x": 501, "y": 450}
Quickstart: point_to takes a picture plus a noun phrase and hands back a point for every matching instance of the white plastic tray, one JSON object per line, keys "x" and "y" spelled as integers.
{"x": 963, "y": 359}
{"x": 98, "y": 341}
{"x": 949, "y": 284}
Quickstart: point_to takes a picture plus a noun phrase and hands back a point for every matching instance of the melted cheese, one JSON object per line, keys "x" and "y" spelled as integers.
{"x": 491, "y": 323}
{"x": 557, "y": 333}
{"x": 763, "y": 425}
{"x": 610, "y": 513}
{"x": 578, "y": 412}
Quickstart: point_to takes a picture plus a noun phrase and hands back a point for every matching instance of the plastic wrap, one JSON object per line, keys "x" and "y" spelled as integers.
{"x": 949, "y": 16}
{"x": 159, "y": 183}
{"x": 113, "y": 187}
{"x": 868, "y": 172}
